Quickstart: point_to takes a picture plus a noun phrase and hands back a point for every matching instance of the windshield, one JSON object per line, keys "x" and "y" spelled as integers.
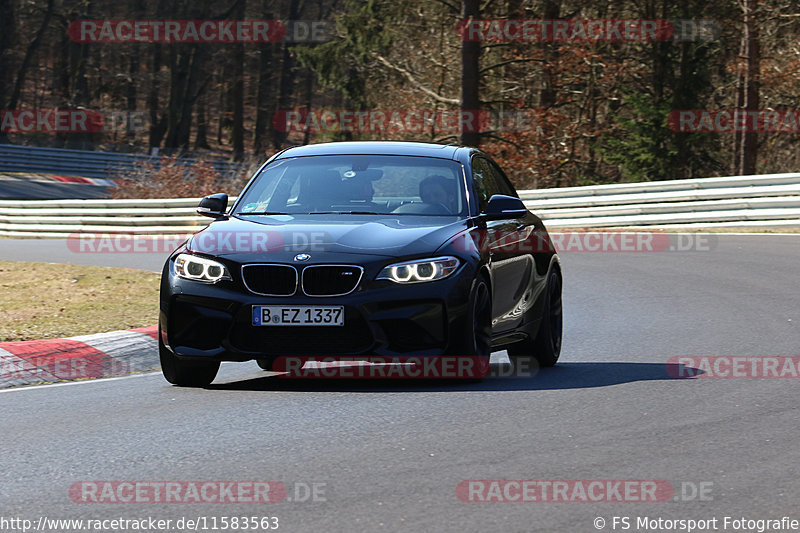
{"x": 357, "y": 184}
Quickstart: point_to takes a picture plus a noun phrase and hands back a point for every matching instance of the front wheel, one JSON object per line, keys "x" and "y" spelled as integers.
{"x": 479, "y": 342}
{"x": 480, "y": 318}
{"x": 546, "y": 346}
{"x": 183, "y": 372}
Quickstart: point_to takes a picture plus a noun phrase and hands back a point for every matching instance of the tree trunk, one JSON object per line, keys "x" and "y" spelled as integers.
{"x": 79, "y": 82}
{"x": 137, "y": 12}
{"x": 201, "y": 140}
{"x": 157, "y": 123}
{"x": 264, "y": 105}
{"x": 26, "y": 60}
{"x": 749, "y": 152}
{"x": 738, "y": 135}
{"x": 185, "y": 87}
{"x": 470, "y": 77}
{"x": 237, "y": 91}
{"x": 7, "y": 36}
{"x": 130, "y": 96}
{"x": 180, "y": 64}
{"x": 287, "y": 80}
{"x": 158, "y": 126}
{"x": 309, "y": 102}
{"x": 547, "y": 94}
{"x": 223, "y": 121}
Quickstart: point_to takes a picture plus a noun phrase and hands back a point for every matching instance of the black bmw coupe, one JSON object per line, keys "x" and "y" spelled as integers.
{"x": 357, "y": 249}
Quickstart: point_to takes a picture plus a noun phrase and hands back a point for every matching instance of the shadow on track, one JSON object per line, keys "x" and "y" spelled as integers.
{"x": 502, "y": 378}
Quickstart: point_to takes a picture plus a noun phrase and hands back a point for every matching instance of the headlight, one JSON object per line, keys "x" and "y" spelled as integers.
{"x": 420, "y": 270}
{"x": 199, "y": 269}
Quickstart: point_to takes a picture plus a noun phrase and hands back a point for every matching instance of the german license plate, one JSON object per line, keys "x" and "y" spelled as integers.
{"x": 298, "y": 315}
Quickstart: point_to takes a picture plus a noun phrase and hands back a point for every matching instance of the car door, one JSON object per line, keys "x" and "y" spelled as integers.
{"x": 510, "y": 263}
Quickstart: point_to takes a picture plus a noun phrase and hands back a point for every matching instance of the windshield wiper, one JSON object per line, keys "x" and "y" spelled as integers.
{"x": 311, "y": 213}
{"x": 344, "y": 213}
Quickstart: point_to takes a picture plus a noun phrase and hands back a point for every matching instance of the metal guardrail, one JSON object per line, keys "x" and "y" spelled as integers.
{"x": 771, "y": 200}
{"x": 59, "y": 218}
{"x": 662, "y": 186}
{"x": 85, "y": 163}
{"x": 737, "y": 201}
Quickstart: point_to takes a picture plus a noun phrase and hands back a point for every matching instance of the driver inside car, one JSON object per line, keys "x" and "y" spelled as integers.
{"x": 434, "y": 190}
{"x": 357, "y": 188}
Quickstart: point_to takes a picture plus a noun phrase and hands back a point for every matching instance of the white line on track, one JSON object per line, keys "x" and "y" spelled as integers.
{"x": 87, "y": 381}
{"x": 83, "y": 382}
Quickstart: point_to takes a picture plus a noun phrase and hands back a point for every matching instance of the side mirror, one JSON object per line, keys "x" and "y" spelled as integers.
{"x": 213, "y": 206}
{"x": 502, "y": 206}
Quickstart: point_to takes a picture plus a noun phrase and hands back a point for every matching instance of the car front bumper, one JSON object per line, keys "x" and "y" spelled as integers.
{"x": 199, "y": 320}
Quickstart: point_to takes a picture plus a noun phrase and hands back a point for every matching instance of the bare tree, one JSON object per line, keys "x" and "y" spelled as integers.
{"x": 746, "y": 142}
{"x": 470, "y": 75}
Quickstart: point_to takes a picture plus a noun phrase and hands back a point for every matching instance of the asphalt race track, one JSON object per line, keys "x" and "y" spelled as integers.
{"x": 388, "y": 456}
{"x": 64, "y": 251}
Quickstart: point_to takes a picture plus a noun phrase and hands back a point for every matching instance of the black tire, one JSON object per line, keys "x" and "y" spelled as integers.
{"x": 480, "y": 318}
{"x": 479, "y": 344}
{"x": 546, "y": 347}
{"x": 265, "y": 364}
{"x": 186, "y": 373}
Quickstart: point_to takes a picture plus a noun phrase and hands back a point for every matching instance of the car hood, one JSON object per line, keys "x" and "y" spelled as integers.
{"x": 382, "y": 235}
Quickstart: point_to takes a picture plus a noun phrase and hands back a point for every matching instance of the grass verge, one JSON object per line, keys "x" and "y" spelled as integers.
{"x": 46, "y": 301}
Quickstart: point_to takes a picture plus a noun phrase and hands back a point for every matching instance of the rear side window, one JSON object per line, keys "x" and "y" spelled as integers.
{"x": 488, "y": 180}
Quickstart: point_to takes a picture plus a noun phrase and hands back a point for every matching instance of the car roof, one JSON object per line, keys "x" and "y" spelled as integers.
{"x": 442, "y": 151}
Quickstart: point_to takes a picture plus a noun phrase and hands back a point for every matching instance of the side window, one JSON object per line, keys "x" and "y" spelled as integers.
{"x": 483, "y": 180}
{"x": 503, "y": 184}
